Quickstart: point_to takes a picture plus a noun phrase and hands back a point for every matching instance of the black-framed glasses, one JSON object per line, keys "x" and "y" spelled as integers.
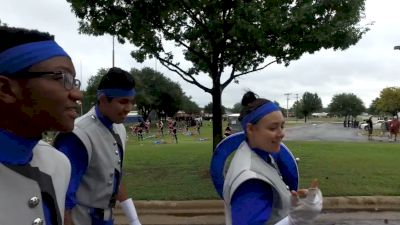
{"x": 68, "y": 80}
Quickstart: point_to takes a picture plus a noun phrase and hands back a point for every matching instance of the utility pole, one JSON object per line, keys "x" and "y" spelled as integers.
{"x": 113, "y": 51}
{"x": 287, "y": 104}
{"x": 297, "y": 104}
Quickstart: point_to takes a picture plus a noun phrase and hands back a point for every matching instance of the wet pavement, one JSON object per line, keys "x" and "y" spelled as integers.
{"x": 329, "y": 132}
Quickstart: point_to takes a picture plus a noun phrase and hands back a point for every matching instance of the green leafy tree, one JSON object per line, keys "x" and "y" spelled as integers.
{"x": 209, "y": 108}
{"x": 389, "y": 100}
{"x": 308, "y": 104}
{"x": 346, "y": 104}
{"x": 235, "y": 37}
{"x": 189, "y": 106}
{"x": 156, "y": 92}
{"x": 297, "y": 109}
{"x": 373, "y": 108}
{"x": 237, "y": 108}
{"x": 90, "y": 98}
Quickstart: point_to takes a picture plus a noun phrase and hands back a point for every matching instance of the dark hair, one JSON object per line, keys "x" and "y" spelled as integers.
{"x": 13, "y": 36}
{"x": 251, "y": 102}
{"x": 117, "y": 78}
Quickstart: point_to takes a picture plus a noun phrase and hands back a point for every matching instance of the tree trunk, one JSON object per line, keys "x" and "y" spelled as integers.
{"x": 217, "y": 113}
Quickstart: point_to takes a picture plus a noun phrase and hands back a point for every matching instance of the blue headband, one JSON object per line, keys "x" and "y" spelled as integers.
{"x": 23, "y": 56}
{"x": 116, "y": 92}
{"x": 259, "y": 113}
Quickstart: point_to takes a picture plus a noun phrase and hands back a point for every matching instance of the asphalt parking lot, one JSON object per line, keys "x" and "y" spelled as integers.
{"x": 327, "y": 132}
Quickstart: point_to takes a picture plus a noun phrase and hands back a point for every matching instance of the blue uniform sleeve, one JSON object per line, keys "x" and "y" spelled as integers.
{"x": 74, "y": 149}
{"x": 252, "y": 203}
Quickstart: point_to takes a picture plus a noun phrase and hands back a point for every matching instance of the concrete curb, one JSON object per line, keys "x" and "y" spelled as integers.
{"x": 212, "y": 211}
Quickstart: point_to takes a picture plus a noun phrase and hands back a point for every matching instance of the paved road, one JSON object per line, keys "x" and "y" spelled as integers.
{"x": 326, "y": 132}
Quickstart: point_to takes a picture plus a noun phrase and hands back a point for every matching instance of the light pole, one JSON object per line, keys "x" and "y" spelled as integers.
{"x": 113, "y": 57}
{"x": 287, "y": 104}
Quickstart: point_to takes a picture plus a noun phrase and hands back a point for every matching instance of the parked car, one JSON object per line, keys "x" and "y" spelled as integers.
{"x": 376, "y": 126}
{"x": 234, "y": 123}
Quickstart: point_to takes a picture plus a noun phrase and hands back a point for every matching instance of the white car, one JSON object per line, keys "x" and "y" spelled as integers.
{"x": 376, "y": 126}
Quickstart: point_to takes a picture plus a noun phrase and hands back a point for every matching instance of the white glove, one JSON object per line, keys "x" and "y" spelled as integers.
{"x": 130, "y": 211}
{"x": 305, "y": 210}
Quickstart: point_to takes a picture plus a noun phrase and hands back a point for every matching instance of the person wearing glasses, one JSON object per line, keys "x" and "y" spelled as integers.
{"x": 261, "y": 184}
{"x": 96, "y": 151}
{"x": 38, "y": 93}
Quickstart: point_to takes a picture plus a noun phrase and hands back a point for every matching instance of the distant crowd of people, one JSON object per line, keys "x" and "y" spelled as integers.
{"x": 389, "y": 128}
{"x": 351, "y": 123}
{"x": 141, "y": 128}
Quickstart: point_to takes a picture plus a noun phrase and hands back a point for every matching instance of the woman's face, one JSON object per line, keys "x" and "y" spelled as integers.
{"x": 268, "y": 133}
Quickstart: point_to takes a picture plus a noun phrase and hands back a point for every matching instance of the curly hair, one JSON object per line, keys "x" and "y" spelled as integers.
{"x": 13, "y": 36}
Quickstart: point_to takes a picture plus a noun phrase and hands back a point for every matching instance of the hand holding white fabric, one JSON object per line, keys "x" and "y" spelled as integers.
{"x": 130, "y": 211}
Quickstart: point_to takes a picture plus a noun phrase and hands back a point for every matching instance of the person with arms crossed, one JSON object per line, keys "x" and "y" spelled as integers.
{"x": 261, "y": 184}
{"x": 96, "y": 151}
{"x": 38, "y": 93}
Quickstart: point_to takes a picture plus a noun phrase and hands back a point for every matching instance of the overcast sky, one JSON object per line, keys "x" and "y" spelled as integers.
{"x": 364, "y": 69}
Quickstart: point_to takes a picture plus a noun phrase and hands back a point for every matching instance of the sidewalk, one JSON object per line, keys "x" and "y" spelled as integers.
{"x": 212, "y": 211}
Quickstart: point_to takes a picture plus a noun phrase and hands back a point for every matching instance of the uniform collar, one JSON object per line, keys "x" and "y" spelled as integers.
{"x": 262, "y": 154}
{"x": 103, "y": 119}
{"x": 14, "y": 149}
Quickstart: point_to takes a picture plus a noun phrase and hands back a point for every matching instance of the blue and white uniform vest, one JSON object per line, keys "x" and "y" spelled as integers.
{"x": 97, "y": 185}
{"x": 20, "y": 197}
{"x": 246, "y": 165}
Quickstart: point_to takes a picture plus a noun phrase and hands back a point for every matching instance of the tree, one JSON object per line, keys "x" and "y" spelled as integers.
{"x": 346, "y": 105}
{"x": 157, "y": 92}
{"x": 235, "y": 37}
{"x": 389, "y": 100}
{"x": 297, "y": 109}
{"x": 209, "y": 108}
{"x": 373, "y": 108}
{"x": 90, "y": 97}
{"x": 189, "y": 106}
{"x": 309, "y": 103}
{"x": 237, "y": 108}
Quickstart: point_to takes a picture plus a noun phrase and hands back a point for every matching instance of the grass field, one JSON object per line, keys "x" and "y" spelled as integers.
{"x": 180, "y": 171}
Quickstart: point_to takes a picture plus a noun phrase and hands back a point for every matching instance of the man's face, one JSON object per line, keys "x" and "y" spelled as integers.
{"x": 117, "y": 109}
{"x": 46, "y": 103}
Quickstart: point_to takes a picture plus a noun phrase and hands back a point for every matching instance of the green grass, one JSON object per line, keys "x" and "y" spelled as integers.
{"x": 180, "y": 171}
{"x": 349, "y": 169}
